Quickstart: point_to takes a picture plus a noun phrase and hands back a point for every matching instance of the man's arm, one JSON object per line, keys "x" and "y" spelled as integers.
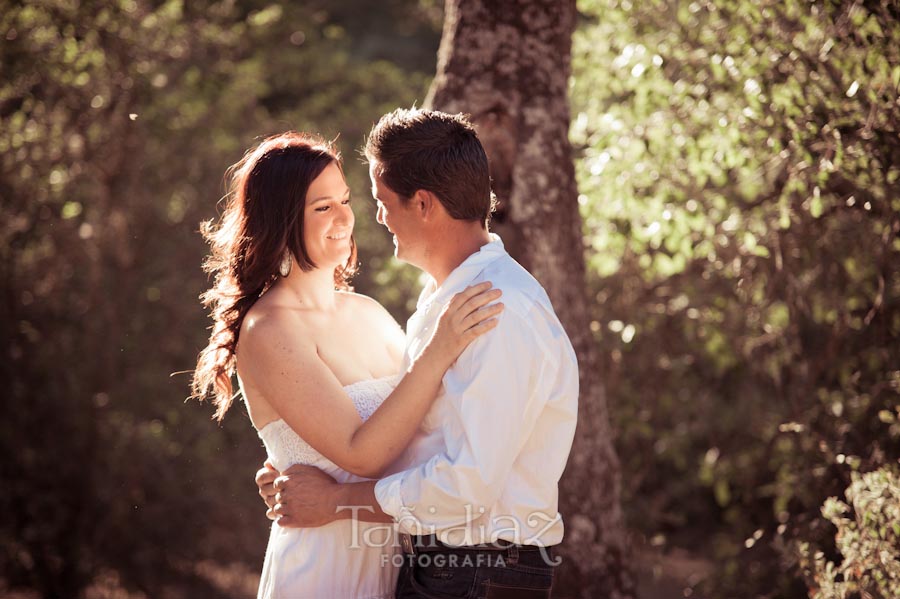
{"x": 499, "y": 388}
{"x": 306, "y": 497}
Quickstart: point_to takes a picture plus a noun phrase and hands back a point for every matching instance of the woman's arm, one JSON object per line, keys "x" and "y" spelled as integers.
{"x": 282, "y": 363}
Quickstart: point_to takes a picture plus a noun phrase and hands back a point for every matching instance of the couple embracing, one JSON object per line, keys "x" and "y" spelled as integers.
{"x": 423, "y": 464}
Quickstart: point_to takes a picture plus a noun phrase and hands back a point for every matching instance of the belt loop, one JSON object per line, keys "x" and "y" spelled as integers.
{"x": 513, "y": 553}
{"x": 407, "y": 544}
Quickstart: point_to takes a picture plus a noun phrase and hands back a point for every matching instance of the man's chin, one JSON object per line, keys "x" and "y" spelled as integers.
{"x": 400, "y": 256}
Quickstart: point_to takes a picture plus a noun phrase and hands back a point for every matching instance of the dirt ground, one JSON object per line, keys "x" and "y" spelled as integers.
{"x": 670, "y": 575}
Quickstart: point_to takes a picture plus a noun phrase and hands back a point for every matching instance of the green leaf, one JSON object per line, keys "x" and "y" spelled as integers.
{"x": 71, "y": 210}
{"x": 722, "y": 492}
{"x": 815, "y": 206}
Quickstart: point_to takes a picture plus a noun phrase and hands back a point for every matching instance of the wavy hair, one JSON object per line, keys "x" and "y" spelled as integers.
{"x": 263, "y": 217}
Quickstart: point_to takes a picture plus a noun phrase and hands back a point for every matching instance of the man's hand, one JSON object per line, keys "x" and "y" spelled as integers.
{"x": 265, "y": 479}
{"x": 305, "y": 497}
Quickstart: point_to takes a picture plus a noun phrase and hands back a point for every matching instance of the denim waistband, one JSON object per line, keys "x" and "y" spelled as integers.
{"x": 413, "y": 544}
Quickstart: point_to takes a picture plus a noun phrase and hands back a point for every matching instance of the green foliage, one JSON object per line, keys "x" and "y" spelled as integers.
{"x": 738, "y": 164}
{"x": 868, "y": 540}
{"x": 117, "y": 121}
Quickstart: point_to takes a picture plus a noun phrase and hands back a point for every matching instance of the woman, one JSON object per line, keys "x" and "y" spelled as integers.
{"x": 317, "y": 364}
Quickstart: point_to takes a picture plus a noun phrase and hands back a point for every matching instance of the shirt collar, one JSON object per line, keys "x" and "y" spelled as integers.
{"x": 462, "y": 274}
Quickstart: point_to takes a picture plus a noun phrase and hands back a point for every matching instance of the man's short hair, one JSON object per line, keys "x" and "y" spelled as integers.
{"x": 437, "y": 152}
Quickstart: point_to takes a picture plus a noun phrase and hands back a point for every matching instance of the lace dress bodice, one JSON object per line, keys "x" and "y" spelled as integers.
{"x": 328, "y": 561}
{"x": 286, "y": 448}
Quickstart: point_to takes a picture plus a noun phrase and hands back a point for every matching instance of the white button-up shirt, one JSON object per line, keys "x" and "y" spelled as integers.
{"x": 487, "y": 460}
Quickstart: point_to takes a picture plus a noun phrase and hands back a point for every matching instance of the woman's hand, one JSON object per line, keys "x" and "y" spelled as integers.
{"x": 465, "y": 318}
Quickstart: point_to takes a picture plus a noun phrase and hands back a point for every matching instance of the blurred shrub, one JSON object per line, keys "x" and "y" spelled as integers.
{"x": 739, "y": 166}
{"x": 868, "y": 541}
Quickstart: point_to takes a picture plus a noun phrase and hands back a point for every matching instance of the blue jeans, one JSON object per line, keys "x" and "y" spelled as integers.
{"x": 476, "y": 574}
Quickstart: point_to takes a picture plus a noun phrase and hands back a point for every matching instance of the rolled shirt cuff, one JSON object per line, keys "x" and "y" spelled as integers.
{"x": 387, "y": 494}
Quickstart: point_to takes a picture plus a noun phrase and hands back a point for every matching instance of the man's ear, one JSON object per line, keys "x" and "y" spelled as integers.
{"x": 427, "y": 204}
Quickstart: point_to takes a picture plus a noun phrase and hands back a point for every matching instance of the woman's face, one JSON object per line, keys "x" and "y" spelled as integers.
{"x": 328, "y": 220}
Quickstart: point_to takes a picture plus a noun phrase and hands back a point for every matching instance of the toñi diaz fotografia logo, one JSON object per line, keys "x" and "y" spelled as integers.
{"x": 474, "y": 531}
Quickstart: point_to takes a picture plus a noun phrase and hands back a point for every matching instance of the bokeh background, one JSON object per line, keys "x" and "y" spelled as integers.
{"x": 738, "y": 166}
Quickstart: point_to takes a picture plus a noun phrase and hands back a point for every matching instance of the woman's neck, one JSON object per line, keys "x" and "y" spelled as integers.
{"x": 313, "y": 289}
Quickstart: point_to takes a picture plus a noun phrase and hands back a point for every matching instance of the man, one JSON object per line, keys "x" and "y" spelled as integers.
{"x": 475, "y": 495}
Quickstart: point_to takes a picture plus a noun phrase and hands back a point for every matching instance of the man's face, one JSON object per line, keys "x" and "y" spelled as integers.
{"x": 401, "y": 220}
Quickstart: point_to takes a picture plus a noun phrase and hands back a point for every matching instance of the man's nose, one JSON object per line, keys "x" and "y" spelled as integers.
{"x": 379, "y": 213}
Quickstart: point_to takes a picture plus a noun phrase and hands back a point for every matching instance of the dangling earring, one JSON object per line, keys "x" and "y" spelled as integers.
{"x": 284, "y": 269}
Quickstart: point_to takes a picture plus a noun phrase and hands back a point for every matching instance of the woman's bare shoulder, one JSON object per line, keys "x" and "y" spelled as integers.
{"x": 269, "y": 317}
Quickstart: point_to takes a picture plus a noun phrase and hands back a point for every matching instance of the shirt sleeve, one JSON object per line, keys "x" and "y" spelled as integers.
{"x": 496, "y": 391}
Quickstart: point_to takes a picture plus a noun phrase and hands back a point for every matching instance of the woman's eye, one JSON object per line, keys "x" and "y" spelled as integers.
{"x": 322, "y": 208}
{"x": 346, "y": 202}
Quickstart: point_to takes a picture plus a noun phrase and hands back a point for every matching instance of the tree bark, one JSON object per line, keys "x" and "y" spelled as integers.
{"x": 507, "y": 64}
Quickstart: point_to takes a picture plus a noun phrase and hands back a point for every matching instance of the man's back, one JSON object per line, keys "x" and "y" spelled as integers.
{"x": 490, "y": 453}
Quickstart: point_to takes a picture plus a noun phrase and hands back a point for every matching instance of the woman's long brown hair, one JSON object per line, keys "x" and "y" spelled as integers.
{"x": 263, "y": 217}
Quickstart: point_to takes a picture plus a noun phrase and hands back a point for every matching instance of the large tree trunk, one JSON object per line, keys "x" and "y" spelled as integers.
{"x": 507, "y": 64}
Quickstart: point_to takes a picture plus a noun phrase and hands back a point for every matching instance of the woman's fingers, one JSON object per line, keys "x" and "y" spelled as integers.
{"x": 469, "y": 314}
{"x": 472, "y": 307}
{"x": 480, "y": 329}
{"x": 480, "y": 315}
{"x": 479, "y": 300}
{"x": 467, "y": 293}
{"x": 469, "y": 301}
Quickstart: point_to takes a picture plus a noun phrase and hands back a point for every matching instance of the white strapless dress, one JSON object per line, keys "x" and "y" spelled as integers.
{"x": 346, "y": 559}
